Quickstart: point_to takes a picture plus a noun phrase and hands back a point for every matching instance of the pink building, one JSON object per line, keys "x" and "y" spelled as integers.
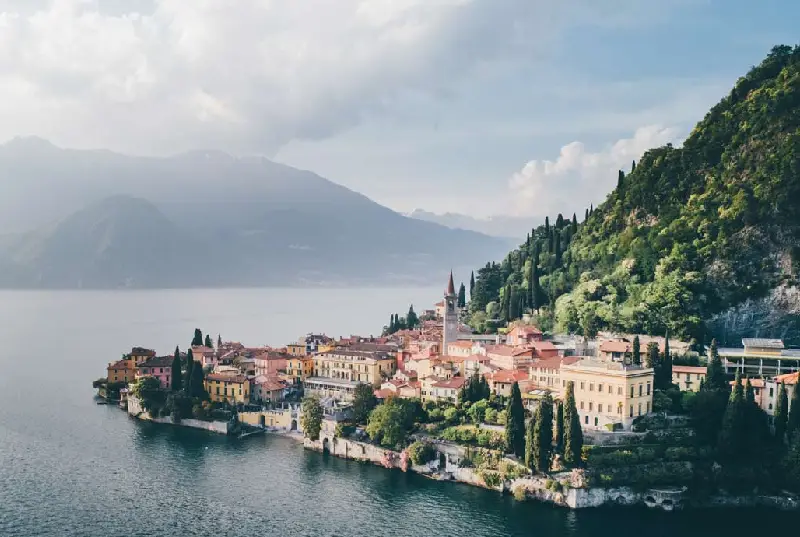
{"x": 270, "y": 364}
{"x": 159, "y": 367}
{"x": 522, "y": 335}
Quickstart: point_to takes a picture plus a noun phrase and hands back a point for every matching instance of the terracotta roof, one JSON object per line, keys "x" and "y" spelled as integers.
{"x": 455, "y": 382}
{"x": 505, "y": 350}
{"x": 526, "y": 329}
{"x": 234, "y": 379}
{"x": 269, "y": 384}
{"x": 755, "y": 383}
{"x": 201, "y": 349}
{"x": 120, "y": 364}
{"x": 615, "y": 346}
{"x": 543, "y": 345}
{"x": 789, "y": 378}
{"x": 555, "y": 362}
{"x": 508, "y": 376}
{"x": 383, "y": 394}
{"x": 462, "y": 343}
{"x": 688, "y": 369}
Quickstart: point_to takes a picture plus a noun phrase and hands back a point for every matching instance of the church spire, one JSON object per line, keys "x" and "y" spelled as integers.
{"x": 451, "y": 288}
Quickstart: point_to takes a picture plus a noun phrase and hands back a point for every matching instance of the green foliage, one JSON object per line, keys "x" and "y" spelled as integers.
{"x": 474, "y": 389}
{"x": 733, "y": 435}
{"x": 781, "y": 416}
{"x": 148, "y": 391}
{"x": 189, "y": 367}
{"x": 477, "y": 411}
{"x": 490, "y": 416}
{"x": 390, "y": 422}
{"x": 197, "y": 340}
{"x": 515, "y": 424}
{"x": 179, "y": 406}
{"x": 559, "y": 431}
{"x": 197, "y": 389}
{"x": 793, "y": 423}
{"x": 176, "y": 380}
{"x": 689, "y": 233}
{"x": 573, "y": 435}
{"x": 543, "y": 434}
{"x": 462, "y": 296}
{"x": 421, "y": 453}
{"x": 208, "y": 343}
{"x": 715, "y": 377}
{"x": 312, "y": 418}
{"x": 636, "y": 353}
{"x": 661, "y": 402}
{"x": 364, "y": 401}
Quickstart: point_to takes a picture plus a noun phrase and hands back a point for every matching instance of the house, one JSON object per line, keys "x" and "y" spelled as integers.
{"x": 543, "y": 349}
{"x": 614, "y": 350}
{"x": 521, "y": 335}
{"x": 299, "y": 368}
{"x": 441, "y": 390}
{"x": 296, "y": 349}
{"x": 399, "y": 388}
{"x": 270, "y": 363}
{"x": 501, "y": 382}
{"x": 159, "y": 367}
{"x": 688, "y": 377}
{"x": 268, "y": 389}
{"x": 547, "y": 373}
{"x": 506, "y": 357}
{"x": 121, "y": 371}
{"x": 227, "y": 370}
{"x": 760, "y": 358}
{"x": 234, "y": 389}
{"x": 460, "y": 347}
{"x": 769, "y": 398}
{"x": 609, "y": 394}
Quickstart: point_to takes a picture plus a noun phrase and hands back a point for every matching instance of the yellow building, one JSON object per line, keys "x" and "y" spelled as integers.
{"x": 326, "y": 347}
{"x": 281, "y": 418}
{"x": 296, "y": 349}
{"x": 336, "y": 373}
{"x": 231, "y": 388}
{"x": 688, "y": 377}
{"x": 299, "y": 368}
{"x": 609, "y": 395}
{"x": 139, "y": 355}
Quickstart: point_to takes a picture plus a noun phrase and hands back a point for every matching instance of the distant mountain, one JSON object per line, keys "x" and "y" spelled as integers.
{"x": 494, "y": 226}
{"x": 104, "y": 220}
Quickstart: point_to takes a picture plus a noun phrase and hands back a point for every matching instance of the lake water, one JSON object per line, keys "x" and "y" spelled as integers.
{"x": 70, "y": 467}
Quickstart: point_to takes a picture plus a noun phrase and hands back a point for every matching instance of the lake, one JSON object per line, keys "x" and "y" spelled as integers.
{"x": 71, "y": 467}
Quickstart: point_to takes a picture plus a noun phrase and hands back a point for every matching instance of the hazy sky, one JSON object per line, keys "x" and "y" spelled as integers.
{"x": 477, "y": 106}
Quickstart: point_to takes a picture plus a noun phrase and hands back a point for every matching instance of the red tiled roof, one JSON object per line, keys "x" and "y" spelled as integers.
{"x": 234, "y": 379}
{"x": 121, "y": 364}
{"x": 505, "y": 350}
{"x": 789, "y": 378}
{"x": 508, "y": 377}
{"x": 455, "y": 382}
{"x": 555, "y": 362}
{"x": 526, "y": 329}
{"x": 383, "y": 394}
{"x": 462, "y": 343}
{"x": 615, "y": 346}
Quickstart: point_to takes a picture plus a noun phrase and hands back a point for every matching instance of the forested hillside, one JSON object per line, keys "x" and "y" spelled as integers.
{"x": 698, "y": 239}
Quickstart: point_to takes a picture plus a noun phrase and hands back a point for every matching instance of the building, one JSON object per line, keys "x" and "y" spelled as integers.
{"x": 296, "y": 349}
{"x": 139, "y": 355}
{"x": 440, "y": 391}
{"x": 450, "y": 316}
{"x": 299, "y": 368}
{"x": 769, "y": 397}
{"x": 270, "y": 363}
{"x": 760, "y": 357}
{"x": 121, "y": 371}
{"x": 329, "y": 387}
{"x": 510, "y": 358}
{"x": 521, "y": 335}
{"x": 268, "y": 389}
{"x": 501, "y": 382}
{"x": 159, "y": 367}
{"x": 688, "y": 377}
{"x": 314, "y": 341}
{"x": 461, "y": 348}
{"x": 547, "y": 373}
{"x": 234, "y": 389}
{"x": 367, "y": 367}
{"x": 614, "y": 350}
{"x": 609, "y": 395}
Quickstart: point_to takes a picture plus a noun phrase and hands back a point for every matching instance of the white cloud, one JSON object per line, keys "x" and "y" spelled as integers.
{"x": 250, "y": 75}
{"x": 578, "y": 177}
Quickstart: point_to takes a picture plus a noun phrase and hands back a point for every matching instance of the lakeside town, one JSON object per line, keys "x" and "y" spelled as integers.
{"x": 556, "y": 417}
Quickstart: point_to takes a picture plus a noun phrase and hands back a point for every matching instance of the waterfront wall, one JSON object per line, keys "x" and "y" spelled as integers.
{"x": 136, "y": 410}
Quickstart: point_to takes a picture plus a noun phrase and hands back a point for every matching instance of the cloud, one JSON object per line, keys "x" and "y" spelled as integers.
{"x": 578, "y": 177}
{"x": 251, "y": 75}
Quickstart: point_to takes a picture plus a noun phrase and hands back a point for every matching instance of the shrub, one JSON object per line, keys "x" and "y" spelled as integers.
{"x": 490, "y": 478}
{"x": 520, "y": 494}
{"x": 421, "y": 453}
{"x": 451, "y": 415}
{"x": 435, "y": 415}
{"x": 490, "y": 416}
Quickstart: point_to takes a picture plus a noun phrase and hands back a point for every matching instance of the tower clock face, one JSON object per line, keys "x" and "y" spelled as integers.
{"x": 450, "y": 306}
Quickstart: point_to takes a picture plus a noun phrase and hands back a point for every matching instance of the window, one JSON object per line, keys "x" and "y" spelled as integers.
{"x": 770, "y": 406}
{"x": 582, "y": 387}
{"x": 648, "y": 388}
{"x": 600, "y": 388}
{"x": 586, "y": 420}
{"x": 640, "y": 409}
{"x": 631, "y": 391}
{"x": 610, "y": 389}
{"x": 581, "y": 405}
{"x": 591, "y": 386}
{"x": 619, "y": 390}
{"x": 648, "y": 407}
{"x": 631, "y": 411}
{"x": 590, "y": 406}
{"x": 600, "y": 407}
{"x": 640, "y": 390}
{"x": 595, "y": 422}
{"x": 771, "y": 392}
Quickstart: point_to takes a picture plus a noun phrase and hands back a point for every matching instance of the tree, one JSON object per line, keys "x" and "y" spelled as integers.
{"x": 389, "y": 423}
{"x": 793, "y": 423}
{"x": 756, "y": 427}
{"x": 364, "y": 401}
{"x": 411, "y": 318}
{"x": 198, "y": 389}
{"x": 559, "y": 426}
{"x": 462, "y": 296}
{"x": 312, "y": 418}
{"x": 187, "y": 379}
{"x": 176, "y": 382}
{"x": 733, "y": 435}
{"x": 715, "y": 378}
{"x": 197, "y": 341}
{"x": 589, "y": 324}
{"x": 666, "y": 364}
{"x": 651, "y": 360}
{"x": 515, "y": 426}
{"x": 543, "y": 432}
{"x": 208, "y": 343}
{"x": 219, "y": 341}
{"x": 148, "y": 390}
{"x": 781, "y": 415}
{"x": 573, "y": 435}
{"x": 557, "y": 248}
{"x": 636, "y": 354}
{"x": 574, "y": 224}
{"x": 537, "y": 297}
{"x": 586, "y": 215}
{"x": 530, "y": 443}
{"x": 471, "y": 284}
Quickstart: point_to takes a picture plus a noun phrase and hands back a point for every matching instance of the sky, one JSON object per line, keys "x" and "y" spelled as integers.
{"x": 483, "y": 107}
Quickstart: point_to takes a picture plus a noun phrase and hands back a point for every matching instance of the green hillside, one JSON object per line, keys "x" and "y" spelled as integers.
{"x": 698, "y": 239}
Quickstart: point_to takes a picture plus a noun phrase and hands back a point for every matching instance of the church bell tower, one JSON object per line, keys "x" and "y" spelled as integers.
{"x": 450, "y": 324}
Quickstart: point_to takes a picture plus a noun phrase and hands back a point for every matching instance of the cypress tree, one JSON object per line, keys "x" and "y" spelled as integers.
{"x": 733, "y": 436}
{"x": 591, "y": 209}
{"x": 530, "y": 442}
{"x": 651, "y": 359}
{"x": 781, "y": 415}
{"x": 559, "y": 221}
{"x": 546, "y": 226}
{"x": 559, "y": 427}
{"x": 586, "y": 215}
{"x": 620, "y": 180}
{"x": 633, "y": 166}
{"x": 666, "y": 363}
{"x": 573, "y": 435}
{"x": 197, "y": 387}
{"x": 793, "y": 423}
{"x": 537, "y": 296}
{"x": 412, "y": 320}
{"x": 557, "y": 248}
{"x": 637, "y": 351}
{"x": 550, "y": 241}
{"x": 462, "y": 296}
{"x": 219, "y": 341}
{"x": 715, "y": 377}
{"x": 208, "y": 343}
{"x": 574, "y": 224}
{"x": 471, "y": 284}
{"x": 543, "y": 432}
{"x": 197, "y": 341}
{"x": 189, "y": 368}
{"x": 176, "y": 382}
{"x": 515, "y": 423}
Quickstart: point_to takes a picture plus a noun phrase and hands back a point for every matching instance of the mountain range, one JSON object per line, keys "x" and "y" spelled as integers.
{"x": 98, "y": 219}
{"x": 515, "y": 227}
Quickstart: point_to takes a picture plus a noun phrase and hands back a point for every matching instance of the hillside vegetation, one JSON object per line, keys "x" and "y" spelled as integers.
{"x": 697, "y": 239}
